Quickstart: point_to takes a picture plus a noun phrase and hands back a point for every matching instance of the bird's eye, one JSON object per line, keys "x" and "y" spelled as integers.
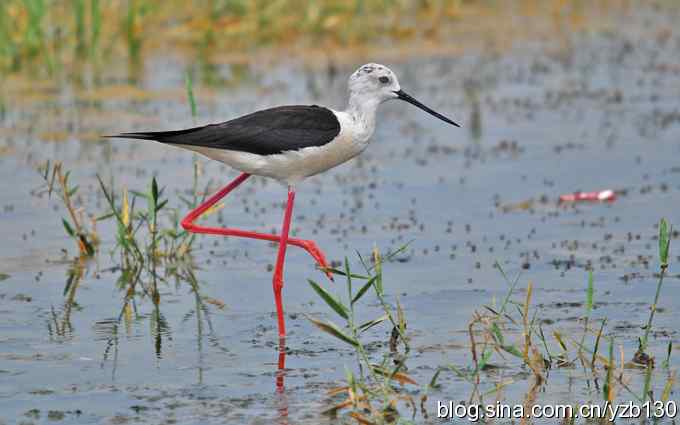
{"x": 384, "y": 80}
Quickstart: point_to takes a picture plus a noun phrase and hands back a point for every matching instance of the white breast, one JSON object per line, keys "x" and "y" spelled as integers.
{"x": 291, "y": 167}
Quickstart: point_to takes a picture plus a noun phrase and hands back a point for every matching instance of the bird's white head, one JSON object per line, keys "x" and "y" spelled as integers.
{"x": 374, "y": 81}
{"x": 373, "y": 84}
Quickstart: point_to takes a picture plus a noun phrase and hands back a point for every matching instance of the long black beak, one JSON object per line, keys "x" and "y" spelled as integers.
{"x": 401, "y": 94}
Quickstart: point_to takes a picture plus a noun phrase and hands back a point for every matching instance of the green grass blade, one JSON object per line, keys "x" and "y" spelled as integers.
{"x": 607, "y": 387}
{"x": 342, "y": 273}
{"x": 664, "y": 245}
{"x": 667, "y": 360}
{"x": 363, "y": 290}
{"x": 597, "y": 343}
{"x": 368, "y": 325}
{"x": 496, "y": 331}
{"x": 154, "y": 191}
{"x": 664, "y": 241}
{"x": 589, "y": 293}
{"x": 332, "y": 301}
{"x": 332, "y": 329}
{"x": 95, "y": 25}
{"x": 68, "y": 228}
{"x": 188, "y": 82}
{"x": 460, "y": 373}
{"x": 512, "y": 350}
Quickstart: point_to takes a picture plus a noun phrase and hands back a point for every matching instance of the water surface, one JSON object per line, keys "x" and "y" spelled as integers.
{"x": 591, "y": 110}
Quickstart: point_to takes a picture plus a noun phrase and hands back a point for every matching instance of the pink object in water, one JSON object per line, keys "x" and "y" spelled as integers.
{"x": 602, "y": 195}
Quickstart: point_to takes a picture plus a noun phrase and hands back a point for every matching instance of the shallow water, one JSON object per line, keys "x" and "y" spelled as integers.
{"x": 595, "y": 110}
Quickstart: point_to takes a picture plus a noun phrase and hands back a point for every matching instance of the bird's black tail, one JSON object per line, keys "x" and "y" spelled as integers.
{"x": 159, "y": 136}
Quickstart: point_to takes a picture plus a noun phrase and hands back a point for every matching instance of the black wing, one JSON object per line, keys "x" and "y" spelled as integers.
{"x": 266, "y": 132}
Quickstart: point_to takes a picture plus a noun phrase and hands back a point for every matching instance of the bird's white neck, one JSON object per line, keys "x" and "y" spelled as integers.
{"x": 362, "y": 109}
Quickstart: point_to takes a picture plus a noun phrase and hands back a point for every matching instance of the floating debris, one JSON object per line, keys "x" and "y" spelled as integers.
{"x": 602, "y": 195}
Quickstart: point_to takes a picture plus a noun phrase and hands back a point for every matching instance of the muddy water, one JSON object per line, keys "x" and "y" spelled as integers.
{"x": 594, "y": 110}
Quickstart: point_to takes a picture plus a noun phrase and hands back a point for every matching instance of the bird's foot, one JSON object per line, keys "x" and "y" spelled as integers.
{"x": 314, "y": 251}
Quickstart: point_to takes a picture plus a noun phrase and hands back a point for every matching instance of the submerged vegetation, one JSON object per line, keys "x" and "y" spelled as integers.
{"x": 150, "y": 246}
{"x": 142, "y": 237}
{"x": 370, "y": 394}
{"x": 512, "y": 333}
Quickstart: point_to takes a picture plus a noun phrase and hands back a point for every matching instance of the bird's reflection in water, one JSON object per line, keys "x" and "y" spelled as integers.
{"x": 281, "y": 396}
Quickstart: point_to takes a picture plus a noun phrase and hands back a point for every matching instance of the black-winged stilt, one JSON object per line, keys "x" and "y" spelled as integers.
{"x": 289, "y": 144}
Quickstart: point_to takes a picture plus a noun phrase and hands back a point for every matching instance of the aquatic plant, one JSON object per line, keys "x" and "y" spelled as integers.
{"x": 493, "y": 332}
{"x": 189, "y": 84}
{"x": 664, "y": 247}
{"x": 95, "y": 26}
{"x": 79, "y": 18}
{"x": 132, "y": 28}
{"x": 57, "y": 181}
{"x": 161, "y": 240}
{"x": 370, "y": 394}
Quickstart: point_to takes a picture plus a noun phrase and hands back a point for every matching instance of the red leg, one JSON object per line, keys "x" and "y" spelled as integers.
{"x": 277, "y": 282}
{"x": 189, "y": 225}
